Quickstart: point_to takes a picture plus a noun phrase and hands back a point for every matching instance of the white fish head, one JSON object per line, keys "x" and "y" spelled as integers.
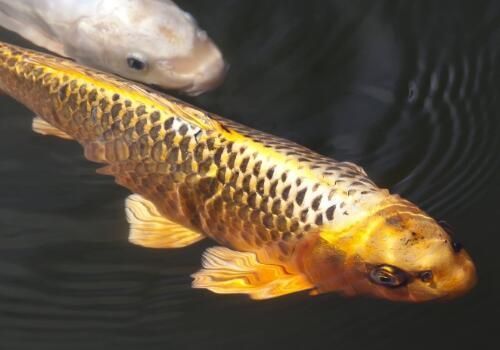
{"x": 151, "y": 41}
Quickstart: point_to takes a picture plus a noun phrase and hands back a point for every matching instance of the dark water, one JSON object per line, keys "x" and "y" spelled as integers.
{"x": 409, "y": 90}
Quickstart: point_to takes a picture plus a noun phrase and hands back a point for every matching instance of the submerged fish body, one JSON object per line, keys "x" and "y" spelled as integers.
{"x": 287, "y": 219}
{"x": 151, "y": 41}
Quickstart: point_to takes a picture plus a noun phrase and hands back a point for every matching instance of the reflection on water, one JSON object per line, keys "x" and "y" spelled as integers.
{"x": 408, "y": 91}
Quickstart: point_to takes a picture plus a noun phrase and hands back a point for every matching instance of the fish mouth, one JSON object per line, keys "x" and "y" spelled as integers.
{"x": 201, "y": 70}
{"x": 463, "y": 281}
{"x": 456, "y": 283}
{"x": 201, "y": 84}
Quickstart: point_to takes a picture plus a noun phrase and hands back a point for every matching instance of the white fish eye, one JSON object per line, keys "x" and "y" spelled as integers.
{"x": 136, "y": 62}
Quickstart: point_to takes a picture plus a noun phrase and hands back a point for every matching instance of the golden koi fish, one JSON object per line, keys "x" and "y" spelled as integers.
{"x": 287, "y": 219}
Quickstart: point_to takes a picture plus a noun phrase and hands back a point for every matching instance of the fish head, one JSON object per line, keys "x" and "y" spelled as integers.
{"x": 396, "y": 253}
{"x": 154, "y": 42}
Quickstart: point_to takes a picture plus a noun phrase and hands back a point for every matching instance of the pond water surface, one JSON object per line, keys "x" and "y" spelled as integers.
{"x": 408, "y": 90}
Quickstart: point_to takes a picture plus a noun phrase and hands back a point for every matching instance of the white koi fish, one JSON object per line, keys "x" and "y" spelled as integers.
{"x": 151, "y": 41}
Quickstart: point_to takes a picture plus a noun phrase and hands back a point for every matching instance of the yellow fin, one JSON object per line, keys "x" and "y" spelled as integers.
{"x": 40, "y": 126}
{"x": 226, "y": 271}
{"x": 106, "y": 170}
{"x": 149, "y": 228}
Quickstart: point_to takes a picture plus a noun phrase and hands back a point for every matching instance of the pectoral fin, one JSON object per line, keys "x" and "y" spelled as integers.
{"x": 150, "y": 229}
{"x": 40, "y": 126}
{"x": 226, "y": 271}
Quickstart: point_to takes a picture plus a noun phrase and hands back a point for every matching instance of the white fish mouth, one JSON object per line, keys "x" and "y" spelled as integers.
{"x": 201, "y": 70}
{"x": 192, "y": 86}
{"x": 197, "y": 88}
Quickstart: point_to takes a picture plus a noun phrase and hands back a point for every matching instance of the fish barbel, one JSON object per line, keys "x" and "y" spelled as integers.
{"x": 151, "y": 41}
{"x": 286, "y": 219}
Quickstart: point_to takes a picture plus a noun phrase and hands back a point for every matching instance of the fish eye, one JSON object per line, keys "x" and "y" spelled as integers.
{"x": 136, "y": 63}
{"x": 388, "y": 276}
{"x": 425, "y": 276}
{"x": 457, "y": 246}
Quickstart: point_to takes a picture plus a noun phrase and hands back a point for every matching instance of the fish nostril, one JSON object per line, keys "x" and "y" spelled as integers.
{"x": 457, "y": 246}
{"x": 425, "y": 276}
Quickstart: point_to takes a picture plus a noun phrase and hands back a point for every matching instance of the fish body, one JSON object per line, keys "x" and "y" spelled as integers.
{"x": 286, "y": 218}
{"x": 151, "y": 41}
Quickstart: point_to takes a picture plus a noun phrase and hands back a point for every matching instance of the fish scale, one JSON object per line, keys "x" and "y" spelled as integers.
{"x": 228, "y": 189}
